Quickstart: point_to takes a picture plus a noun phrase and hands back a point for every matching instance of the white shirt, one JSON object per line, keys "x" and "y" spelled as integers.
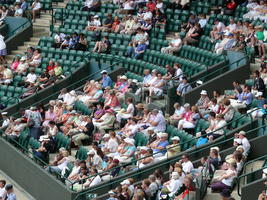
{"x": 183, "y": 2}
{"x": 179, "y": 111}
{"x": 112, "y": 145}
{"x": 36, "y": 5}
{"x": 148, "y": 15}
{"x": 64, "y": 164}
{"x": 174, "y": 186}
{"x": 219, "y": 126}
{"x": 2, "y": 191}
{"x": 31, "y": 78}
{"x": 220, "y": 26}
{"x": 95, "y": 181}
{"x": 11, "y": 196}
{"x": 97, "y": 161}
{"x": 231, "y": 27}
{"x": 161, "y": 127}
{"x": 202, "y": 22}
{"x": 179, "y": 73}
{"x": 128, "y": 5}
{"x": 177, "y": 42}
{"x": 75, "y": 170}
{"x": 130, "y": 109}
{"x": 187, "y": 166}
{"x": 2, "y": 43}
{"x": 96, "y": 22}
{"x": 68, "y": 99}
{"x": 22, "y": 67}
{"x": 246, "y": 145}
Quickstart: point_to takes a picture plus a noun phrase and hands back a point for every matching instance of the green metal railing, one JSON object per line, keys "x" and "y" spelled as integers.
{"x": 26, "y": 23}
{"x": 158, "y": 165}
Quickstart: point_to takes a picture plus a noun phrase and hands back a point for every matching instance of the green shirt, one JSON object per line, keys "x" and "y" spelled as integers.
{"x": 58, "y": 70}
{"x": 260, "y": 35}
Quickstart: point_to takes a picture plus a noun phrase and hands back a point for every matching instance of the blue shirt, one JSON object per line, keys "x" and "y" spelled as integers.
{"x": 24, "y": 6}
{"x": 141, "y": 47}
{"x": 183, "y": 88}
{"x": 147, "y": 78}
{"x": 201, "y": 141}
{"x": 106, "y": 81}
{"x": 163, "y": 144}
{"x": 248, "y": 100}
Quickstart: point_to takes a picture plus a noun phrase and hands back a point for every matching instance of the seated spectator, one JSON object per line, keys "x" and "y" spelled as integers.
{"x": 127, "y": 7}
{"x": 127, "y": 153}
{"x": 226, "y": 44}
{"x": 106, "y": 121}
{"x": 240, "y": 44}
{"x": 157, "y": 88}
{"x": 103, "y": 46}
{"x": 151, "y": 5}
{"x": 187, "y": 189}
{"x": 112, "y": 101}
{"x": 24, "y": 5}
{"x": 189, "y": 119}
{"x": 15, "y": 63}
{"x": 226, "y": 179}
{"x": 58, "y": 69}
{"x": 245, "y": 143}
{"x": 174, "y": 148}
{"x": 243, "y": 100}
{"x": 203, "y": 102}
{"x": 218, "y": 127}
{"x": 173, "y": 185}
{"x": 22, "y": 66}
{"x": 18, "y": 10}
{"x": 218, "y": 30}
{"x": 193, "y": 35}
{"x": 128, "y": 113}
{"x": 183, "y": 87}
{"x": 186, "y": 164}
{"x": 36, "y": 8}
{"x": 202, "y": 138}
{"x": 139, "y": 36}
{"x": 232, "y": 26}
{"x": 146, "y": 25}
{"x": 107, "y": 24}
{"x": 115, "y": 28}
{"x": 51, "y": 65}
{"x": 159, "y": 146}
{"x": 94, "y": 160}
{"x": 128, "y": 25}
{"x": 159, "y": 19}
{"x": 60, "y": 164}
{"x": 261, "y": 106}
{"x": 93, "y": 23}
{"x": 6, "y": 75}
{"x": 138, "y": 51}
{"x": 43, "y": 151}
{"x": 91, "y": 5}
{"x": 174, "y": 45}
{"x": 36, "y": 59}
{"x": 14, "y": 129}
{"x": 179, "y": 110}
{"x": 157, "y": 121}
{"x": 147, "y": 80}
{"x": 203, "y": 20}
{"x": 106, "y": 80}
{"x": 147, "y": 160}
{"x": 74, "y": 39}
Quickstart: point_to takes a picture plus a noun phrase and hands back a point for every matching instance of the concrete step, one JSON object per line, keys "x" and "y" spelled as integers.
{"x": 16, "y": 52}
{"x": 29, "y": 43}
{"x": 216, "y": 196}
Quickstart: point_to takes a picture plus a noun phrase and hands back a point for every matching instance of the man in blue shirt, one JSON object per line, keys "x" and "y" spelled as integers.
{"x": 10, "y": 195}
{"x": 106, "y": 80}
{"x": 24, "y": 5}
{"x": 138, "y": 51}
{"x": 183, "y": 87}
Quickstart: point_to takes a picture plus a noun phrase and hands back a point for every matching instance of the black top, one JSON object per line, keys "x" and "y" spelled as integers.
{"x": 90, "y": 128}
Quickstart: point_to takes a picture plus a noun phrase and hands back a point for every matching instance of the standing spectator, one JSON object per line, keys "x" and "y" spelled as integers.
{"x": 3, "y": 51}
{"x": 10, "y": 195}
{"x": 174, "y": 45}
{"x": 258, "y": 83}
{"x": 36, "y": 8}
{"x": 2, "y": 188}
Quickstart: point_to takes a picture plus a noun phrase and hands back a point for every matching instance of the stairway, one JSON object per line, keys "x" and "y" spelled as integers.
{"x": 41, "y": 27}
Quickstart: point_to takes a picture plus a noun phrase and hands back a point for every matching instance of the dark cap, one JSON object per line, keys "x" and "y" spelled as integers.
{"x": 9, "y": 187}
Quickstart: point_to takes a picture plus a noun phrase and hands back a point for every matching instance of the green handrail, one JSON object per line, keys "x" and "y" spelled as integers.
{"x": 244, "y": 176}
{"x": 254, "y": 160}
{"x": 224, "y": 69}
{"x": 135, "y": 160}
{"x": 161, "y": 164}
{"x": 21, "y": 26}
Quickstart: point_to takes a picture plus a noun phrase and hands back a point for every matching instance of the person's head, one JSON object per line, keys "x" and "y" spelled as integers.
{"x": 32, "y": 71}
{"x": 176, "y": 105}
{"x": 146, "y": 72}
{"x": 203, "y": 160}
{"x": 155, "y": 112}
{"x": 185, "y": 157}
{"x": 163, "y": 136}
{"x": 238, "y": 156}
{"x": 2, "y": 183}
{"x": 145, "y": 183}
{"x": 247, "y": 88}
{"x": 236, "y": 84}
{"x": 176, "y": 66}
{"x": 216, "y": 93}
{"x": 184, "y": 79}
{"x": 100, "y": 105}
{"x": 175, "y": 140}
{"x": 212, "y": 115}
{"x": 256, "y": 74}
{"x": 52, "y": 123}
{"x": 106, "y": 37}
{"x": 130, "y": 100}
{"x": 37, "y": 51}
{"x": 109, "y": 15}
{"x": 231, "y": 21}
{"x": 187, "y": 107}
{"x": 214, "y": 153}
{"x": 104, "y": 73}
{"x": 226, "y": 102}
{"x": 203, "y": 94}
{"x": 216, "y": 21}
{"x": 9, "y": 188}
{"x": 159, "y": 76}
{"x": 195, "y": 109}
{"x": 112, "y": 134}
{"x": 91, "y": 153}
{"x": 154, "y": 72}
{"x": 188, "y": 181}
{"x": 82, "y": 36}
{"x": 150, "y": 130}
{"x": 242, "y": 134}
{"x": 220, "y": 117}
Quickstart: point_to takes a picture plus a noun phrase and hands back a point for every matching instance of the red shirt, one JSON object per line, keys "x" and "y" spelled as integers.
{"x": 151, "y": 6}
{"x": 49, "y": 68}
{"x": 231, "y": 5}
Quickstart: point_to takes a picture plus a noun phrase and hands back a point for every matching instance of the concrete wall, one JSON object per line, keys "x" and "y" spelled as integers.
{"x": 31, "y": 176}
{"x": 220, "y": 83}
{"x": 251, "y": 191}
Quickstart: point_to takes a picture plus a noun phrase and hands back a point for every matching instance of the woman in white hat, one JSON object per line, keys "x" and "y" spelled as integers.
{"x": 174, "y": 148}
